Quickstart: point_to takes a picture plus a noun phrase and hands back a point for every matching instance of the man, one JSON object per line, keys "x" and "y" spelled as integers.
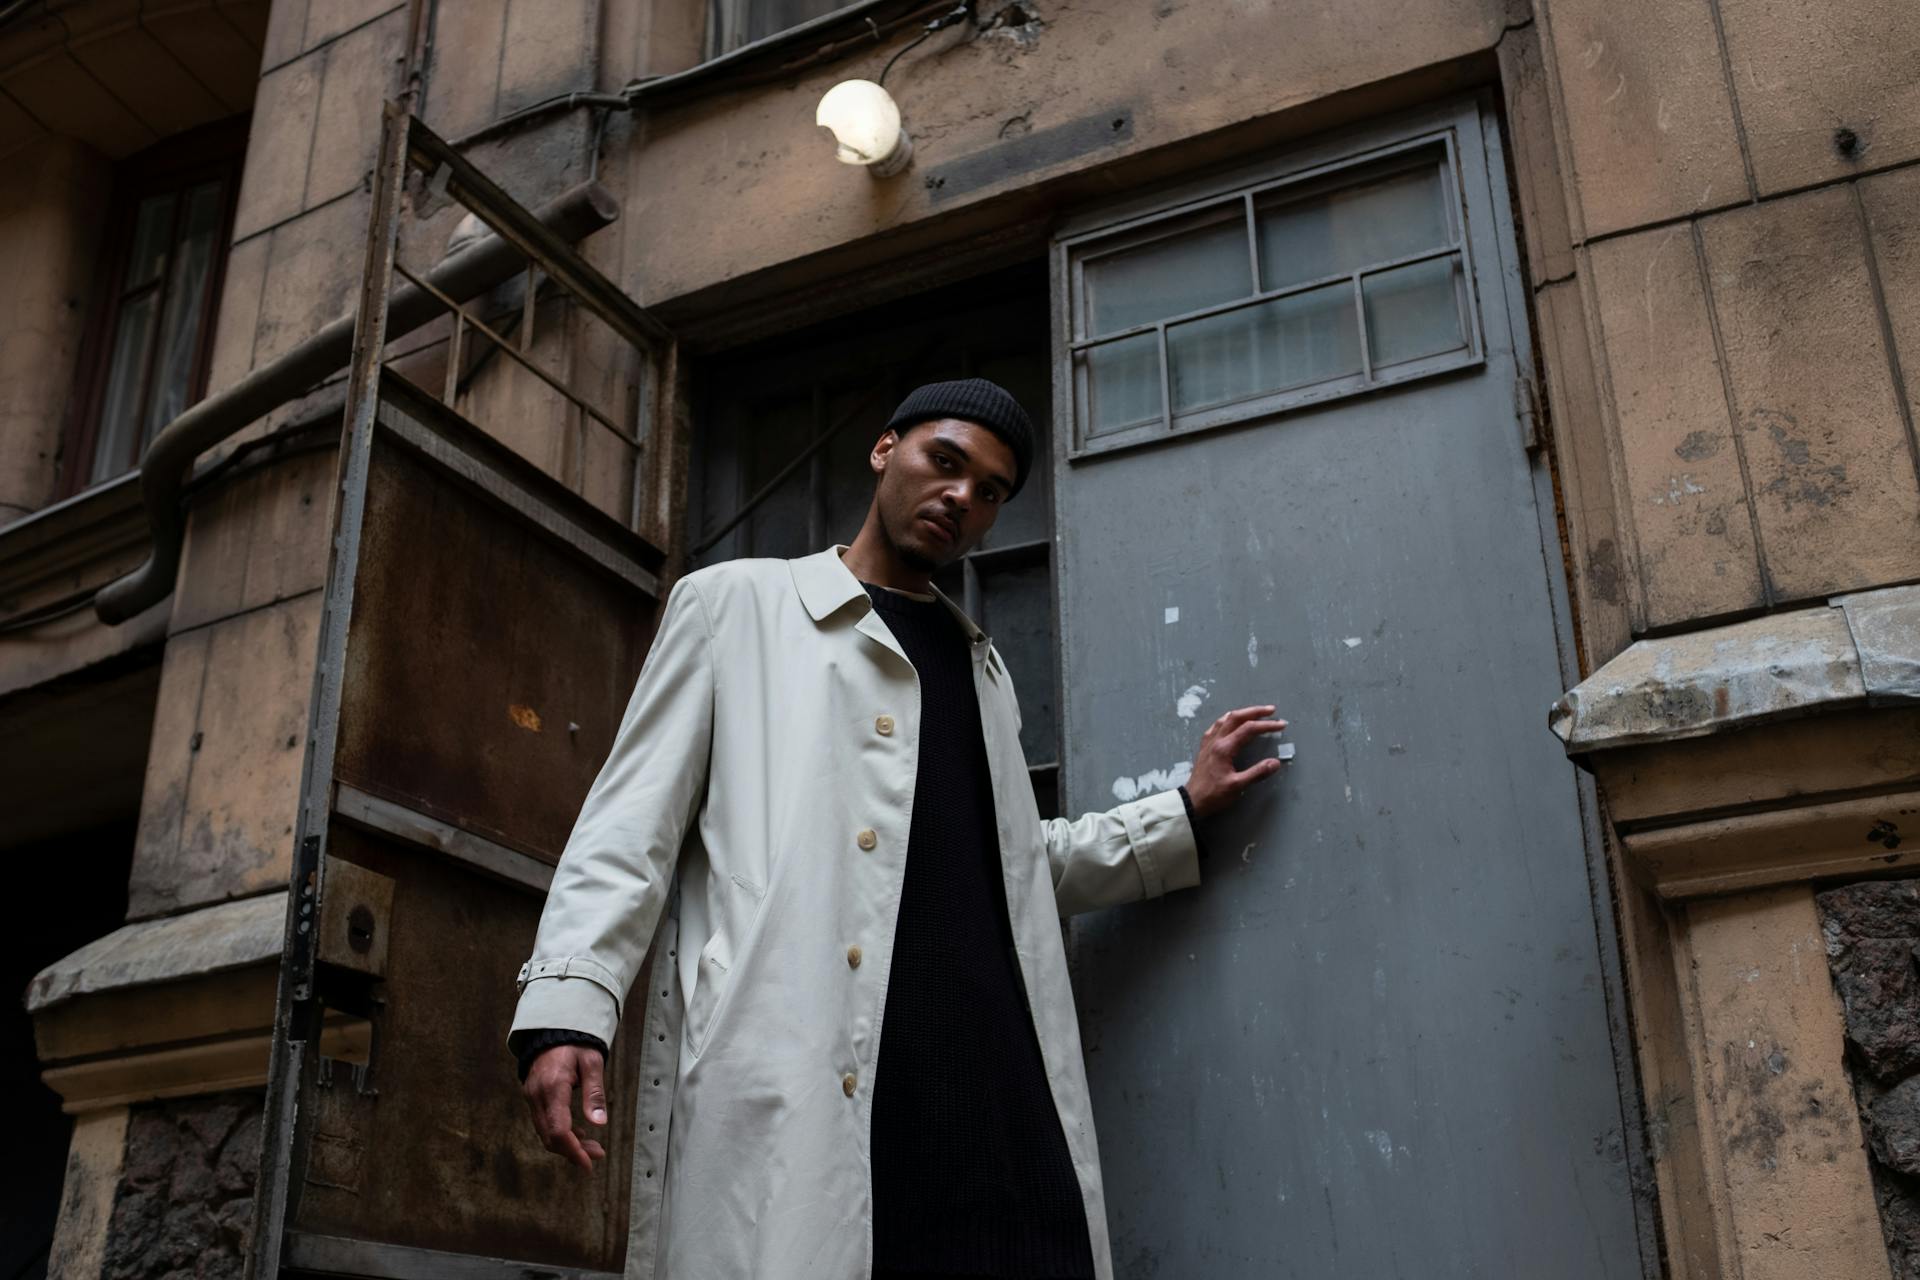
{"x": 827, "y": 751}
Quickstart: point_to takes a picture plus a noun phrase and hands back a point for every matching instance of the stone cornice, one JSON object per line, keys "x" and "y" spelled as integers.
{"x": 1862, "y": 650}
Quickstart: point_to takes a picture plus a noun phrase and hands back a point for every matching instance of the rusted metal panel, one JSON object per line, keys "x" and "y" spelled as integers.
{"x": 432, "y": 1150}
{"x": 481, "y": 630}
{"x": 489, "y": 664}
{"x": 356, "y": 918}
{"x": 354, "y": 805}
{"x": 472, "y": 569}
{"x": 340, "y": 1255}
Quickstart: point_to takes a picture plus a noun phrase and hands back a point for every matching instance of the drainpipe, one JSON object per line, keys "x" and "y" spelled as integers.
{"x": 572, "y": 215}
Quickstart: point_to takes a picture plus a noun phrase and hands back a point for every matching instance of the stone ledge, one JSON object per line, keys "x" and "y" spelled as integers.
{"x": 230, "y": 935}
{"x": 1862, "y": 650}
{"x": 1856, "y": 836}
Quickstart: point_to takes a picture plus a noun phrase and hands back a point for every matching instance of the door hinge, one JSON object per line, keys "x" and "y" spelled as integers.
{"x": 1526, "y": 404}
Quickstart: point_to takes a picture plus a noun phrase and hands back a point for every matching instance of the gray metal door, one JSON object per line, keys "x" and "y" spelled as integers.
{"x": 1375, "y": 1041}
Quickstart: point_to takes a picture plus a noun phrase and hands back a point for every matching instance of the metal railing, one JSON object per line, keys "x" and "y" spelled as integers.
{"x": 536, "y": 242}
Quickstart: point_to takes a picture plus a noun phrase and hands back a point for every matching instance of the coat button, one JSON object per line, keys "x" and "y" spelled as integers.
{"x": 866, "y": 839}
{"x": 883, "y": 725}
{"x": 853, "y": 957}
{"x": 848, "y": 1084}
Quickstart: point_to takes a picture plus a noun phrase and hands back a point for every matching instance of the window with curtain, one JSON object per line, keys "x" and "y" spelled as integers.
{"x": 150, "y": 333}
{"x": 1277, "y": 294}
{"x": 738, "y": 22}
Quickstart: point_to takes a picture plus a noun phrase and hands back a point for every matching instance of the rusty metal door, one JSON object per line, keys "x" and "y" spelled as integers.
{"x": 495, "y": 629}
{"x": 1376, "y": 1041}
{"x": 482, "y": 631}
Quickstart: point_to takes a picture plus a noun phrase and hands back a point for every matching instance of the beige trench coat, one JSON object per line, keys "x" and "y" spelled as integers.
{"x": 768, "y": 756}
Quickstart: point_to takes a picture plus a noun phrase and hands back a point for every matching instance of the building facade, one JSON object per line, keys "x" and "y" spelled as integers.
{"x": 1520, "y": 395}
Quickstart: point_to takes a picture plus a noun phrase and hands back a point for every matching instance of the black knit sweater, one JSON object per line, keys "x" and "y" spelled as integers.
{"x": 971, "y": 1173}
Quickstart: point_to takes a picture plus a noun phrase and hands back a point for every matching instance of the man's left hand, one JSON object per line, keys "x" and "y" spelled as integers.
{"x": 1215, "y": 783}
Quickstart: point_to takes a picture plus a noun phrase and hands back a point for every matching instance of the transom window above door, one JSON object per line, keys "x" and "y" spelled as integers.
{"x": 739, "y": 22}
{"x": 1279, "y": 293}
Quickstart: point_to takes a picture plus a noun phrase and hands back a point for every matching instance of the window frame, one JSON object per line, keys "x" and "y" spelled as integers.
{"x": 177, "y": 165}
{"x": 1144, "y": 220}
{"x": 727, "y": 22}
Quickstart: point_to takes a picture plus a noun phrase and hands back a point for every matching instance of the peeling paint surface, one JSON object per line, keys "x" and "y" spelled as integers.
{"x": 1152, "y": 781}
{"x": 1189, "y": 702}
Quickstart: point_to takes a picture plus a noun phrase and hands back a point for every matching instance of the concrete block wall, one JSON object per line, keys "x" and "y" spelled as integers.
{"x": 1734, "y": 176}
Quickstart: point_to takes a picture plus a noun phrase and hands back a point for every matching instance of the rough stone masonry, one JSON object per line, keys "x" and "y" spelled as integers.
{"x": 185, "y": 1204}
{"x": 1872, "y": 932}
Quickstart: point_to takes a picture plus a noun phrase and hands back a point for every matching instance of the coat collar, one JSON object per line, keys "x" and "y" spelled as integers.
{"x": 826, "y": 584}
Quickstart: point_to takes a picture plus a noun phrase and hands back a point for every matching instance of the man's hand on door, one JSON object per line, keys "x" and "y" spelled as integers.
{"x": 549, "y": 1091}
{"x": 1215, "y": 783}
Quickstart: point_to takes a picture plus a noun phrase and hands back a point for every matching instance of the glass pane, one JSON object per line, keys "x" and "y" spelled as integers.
{"x": 152, "y": 225}
{"x": 1414, "y": 311}
{"x": 186, "y": 297}
{"x": 1307, "y": 237}
{"x": 1288, "y": 342}
{"x": 765, "y": 17}
{"x": 1122, "y": 384}
{"x": 1169, "y": 277}
{"x": 113, "y": 452}
{"x": 1016, "y": 607}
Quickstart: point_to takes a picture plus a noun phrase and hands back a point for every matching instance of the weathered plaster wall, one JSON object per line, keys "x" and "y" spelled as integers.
{"x": 1791, "y": 1196}
{"x": 745, "y": 181}
{"x": 95, "y": 1159}
{"x": 1743, "y": 219}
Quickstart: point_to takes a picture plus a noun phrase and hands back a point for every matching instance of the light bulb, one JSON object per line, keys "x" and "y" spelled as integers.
{"x": 865, "y": 123}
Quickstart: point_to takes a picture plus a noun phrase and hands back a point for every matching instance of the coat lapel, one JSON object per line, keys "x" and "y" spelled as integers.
{"x": 826, "y": 585}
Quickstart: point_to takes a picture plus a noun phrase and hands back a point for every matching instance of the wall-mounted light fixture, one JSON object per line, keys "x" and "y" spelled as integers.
{"x": 864, "y": 118}
{"x": 865, "y": 123}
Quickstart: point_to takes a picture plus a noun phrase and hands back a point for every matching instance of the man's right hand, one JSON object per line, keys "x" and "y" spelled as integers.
{"x": 548, "y": 1090}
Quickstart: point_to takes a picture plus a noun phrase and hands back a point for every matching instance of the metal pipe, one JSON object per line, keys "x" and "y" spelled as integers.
{"x": 572, "y": 215}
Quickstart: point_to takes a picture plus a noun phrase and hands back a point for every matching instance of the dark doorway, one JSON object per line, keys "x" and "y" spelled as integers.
{"x": 69, "y": 801}
{"x": 830, "y": 388}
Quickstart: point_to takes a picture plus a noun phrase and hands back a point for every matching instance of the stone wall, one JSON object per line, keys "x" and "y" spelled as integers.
{"x": 185, "y": 1207}
{"x": 1872, "y": 932}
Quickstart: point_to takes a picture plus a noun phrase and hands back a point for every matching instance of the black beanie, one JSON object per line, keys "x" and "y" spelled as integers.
{"x": 973, "y": 400}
